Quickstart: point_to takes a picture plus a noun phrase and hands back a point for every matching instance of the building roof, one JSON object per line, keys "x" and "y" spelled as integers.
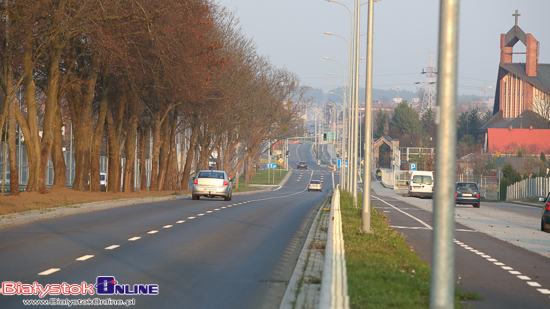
{"x": 526, "y": 120}
{"x": 541, "y": 81}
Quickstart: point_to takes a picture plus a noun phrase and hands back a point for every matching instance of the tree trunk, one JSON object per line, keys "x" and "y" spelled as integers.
{"x": 60, "y": 168}
{"x": 157, "y": 142}
{"x": 189, "y": 158}
{"x": 130, "y": 151}
{"x": 142, "y": 166}
{"x": 14, "y": 173}
{"x": 114, "y": 138}
{"x": 164, "y": 154}
{"x": 95, "y": 164}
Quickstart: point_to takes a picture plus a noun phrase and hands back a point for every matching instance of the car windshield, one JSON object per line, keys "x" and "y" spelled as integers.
{"x": 315, "y": 182}
{"x": 466, "y": 187}
{"x": 211, "y": 175}
{"x": 419, "y": 179}
{"x": 101, "y": 177}
{"x": 301, "y": 162}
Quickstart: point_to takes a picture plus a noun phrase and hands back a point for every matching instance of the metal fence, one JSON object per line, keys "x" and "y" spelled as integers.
{"x": 488, "y": 185}
{"x": 528, "y": 188}
{"x": 23, "y": 168}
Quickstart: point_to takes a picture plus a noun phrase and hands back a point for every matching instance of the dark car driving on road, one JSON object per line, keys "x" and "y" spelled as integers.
{"x": 545, "y": 220}
{"x": 302, "y": 164}
{"x": 467, "y": 193}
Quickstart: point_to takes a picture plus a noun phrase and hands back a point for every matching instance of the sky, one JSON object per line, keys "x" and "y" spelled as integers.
{"x": 291, "y": 34}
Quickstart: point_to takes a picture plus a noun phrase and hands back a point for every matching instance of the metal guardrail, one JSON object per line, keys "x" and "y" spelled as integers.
{"x": 334, "y": 286}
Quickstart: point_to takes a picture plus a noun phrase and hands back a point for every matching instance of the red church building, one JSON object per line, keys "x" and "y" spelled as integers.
{"x": 521, "y": 111}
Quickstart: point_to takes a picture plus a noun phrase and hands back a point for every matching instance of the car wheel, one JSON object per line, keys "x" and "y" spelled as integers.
{"x": 194, "y": 197}
{"x": 544, "y": 226}
{"x": 227, "y": 198}
{"x": 321, "y": 190}
{"x": 308, "y": 190}
{"x": 477, "y": 205}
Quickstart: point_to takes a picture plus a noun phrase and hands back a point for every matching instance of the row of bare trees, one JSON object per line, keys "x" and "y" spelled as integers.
{"x": 123, "y": 72}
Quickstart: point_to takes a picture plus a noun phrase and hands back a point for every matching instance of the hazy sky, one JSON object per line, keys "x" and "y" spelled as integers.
{"x": 291, "y": 34}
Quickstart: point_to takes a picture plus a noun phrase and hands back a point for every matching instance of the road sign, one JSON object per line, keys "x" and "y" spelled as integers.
{"x": 318, "y": 162}
{"x": 412, "y": 166}
{"x": 281, "y": 160}
{"x": 339, "y": 162}
{"x": 271, "y": 165}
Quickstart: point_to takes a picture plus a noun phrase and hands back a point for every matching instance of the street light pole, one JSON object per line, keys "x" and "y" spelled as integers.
{"x": 442, "y": 276}
{"x": 368, "y": 123}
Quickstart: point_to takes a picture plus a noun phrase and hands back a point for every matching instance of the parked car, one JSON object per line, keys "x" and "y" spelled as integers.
{"x": 302, "y": 164}
{"x": 212, "y": 183}
{"x": 467, "y": 193}
{"x": 545, "y": 220}
{"x": 421, "y": 184}
{"x": 315, "y": 185}
{"x": 103, "y": 181}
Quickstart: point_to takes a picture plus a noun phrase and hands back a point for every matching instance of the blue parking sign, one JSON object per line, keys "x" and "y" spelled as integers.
{"x": 339, "y": 162}
{"x": 412, "y": 166}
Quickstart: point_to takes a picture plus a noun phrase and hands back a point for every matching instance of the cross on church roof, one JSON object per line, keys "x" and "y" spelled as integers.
{"x": 516, "y": 15}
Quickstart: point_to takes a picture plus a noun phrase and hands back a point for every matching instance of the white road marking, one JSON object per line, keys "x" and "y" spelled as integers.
{"x": 515, "y": 272}
{"x": 524, "y": 278}
{"x": 49, "y": 271}
{"x": 191, "y": 218}
{"x": 486, "y": 256}
{"x": 544, "y": 291}
{"x": 84, "y": 257}
{"x": 200, "y": 215}
{"x": 181, "y": 221}
{"x": 167, "y": 226}
{"x": 112, "y": 247}
{"x": 152, "y": 232}
{"x": 134, "y": 238}
{"x": 407, "y": 214}
{"x": 209, "y": 212}
{"x": 499, "y": 263}
{"x": 507, "y": 268}
{"x": 532, "y": 283}
{"x": 223, "y": 207}
{"x": 492, "y": 260}
{"x": 216, "y": 209}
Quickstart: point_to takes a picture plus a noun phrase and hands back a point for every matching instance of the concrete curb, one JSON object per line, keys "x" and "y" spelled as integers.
{"x": 527, "y": 204}
{"x": 310, "y": 265}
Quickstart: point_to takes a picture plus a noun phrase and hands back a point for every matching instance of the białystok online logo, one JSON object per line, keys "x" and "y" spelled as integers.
{"x": 105, "y": 285}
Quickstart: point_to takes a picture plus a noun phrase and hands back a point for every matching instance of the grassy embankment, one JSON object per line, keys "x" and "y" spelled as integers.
{"x": 261, "y": 178}
{"x": 383, "y": 272}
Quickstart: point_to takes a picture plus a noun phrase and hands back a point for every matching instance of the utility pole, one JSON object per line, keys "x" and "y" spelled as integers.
{"x": 442, "y": 282}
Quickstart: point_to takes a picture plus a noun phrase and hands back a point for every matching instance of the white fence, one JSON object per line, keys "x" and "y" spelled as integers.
{"x": 528, "y": 188}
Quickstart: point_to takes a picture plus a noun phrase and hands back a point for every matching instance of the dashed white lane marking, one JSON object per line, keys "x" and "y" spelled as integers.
{"x": 223, "y": 207}
{"x": 167, "y": 226}
{"x": 544, "y": 291}
{"x": 507, "y": 268}
{"x": 499, "y": 263}
{"x": 112, "y": 247}
{"x": 535, "y": 284}
{"x": 492, "y": 260}
{"x": 200, "y": 215}
{"x": 515, "y": 272}
{"x": 191, "y": 218}
{"x": 84, "y": 257}
{"x": 208, "y": 212}
{"x": 49, "y": 271}
{"x": 524, "y": 278}
{"x": 216, "y": 209}
{"x": 180, "y": 221}
{"x": 152, "y": 232}
{"x": 134, "y": 238}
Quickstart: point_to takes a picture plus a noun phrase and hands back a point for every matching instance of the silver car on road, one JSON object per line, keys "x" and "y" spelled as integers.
{"x": 212, "y": 183}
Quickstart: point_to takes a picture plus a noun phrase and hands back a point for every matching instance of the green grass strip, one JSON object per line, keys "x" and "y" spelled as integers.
{"x": 383, "y": 272}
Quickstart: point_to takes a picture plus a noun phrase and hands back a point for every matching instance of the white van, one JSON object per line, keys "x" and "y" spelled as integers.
{"x": 421, "y": 184}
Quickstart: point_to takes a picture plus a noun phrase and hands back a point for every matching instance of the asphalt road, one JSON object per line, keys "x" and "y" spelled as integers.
{"x": 202, "y": 254}
{"x": 500, "y": 253}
